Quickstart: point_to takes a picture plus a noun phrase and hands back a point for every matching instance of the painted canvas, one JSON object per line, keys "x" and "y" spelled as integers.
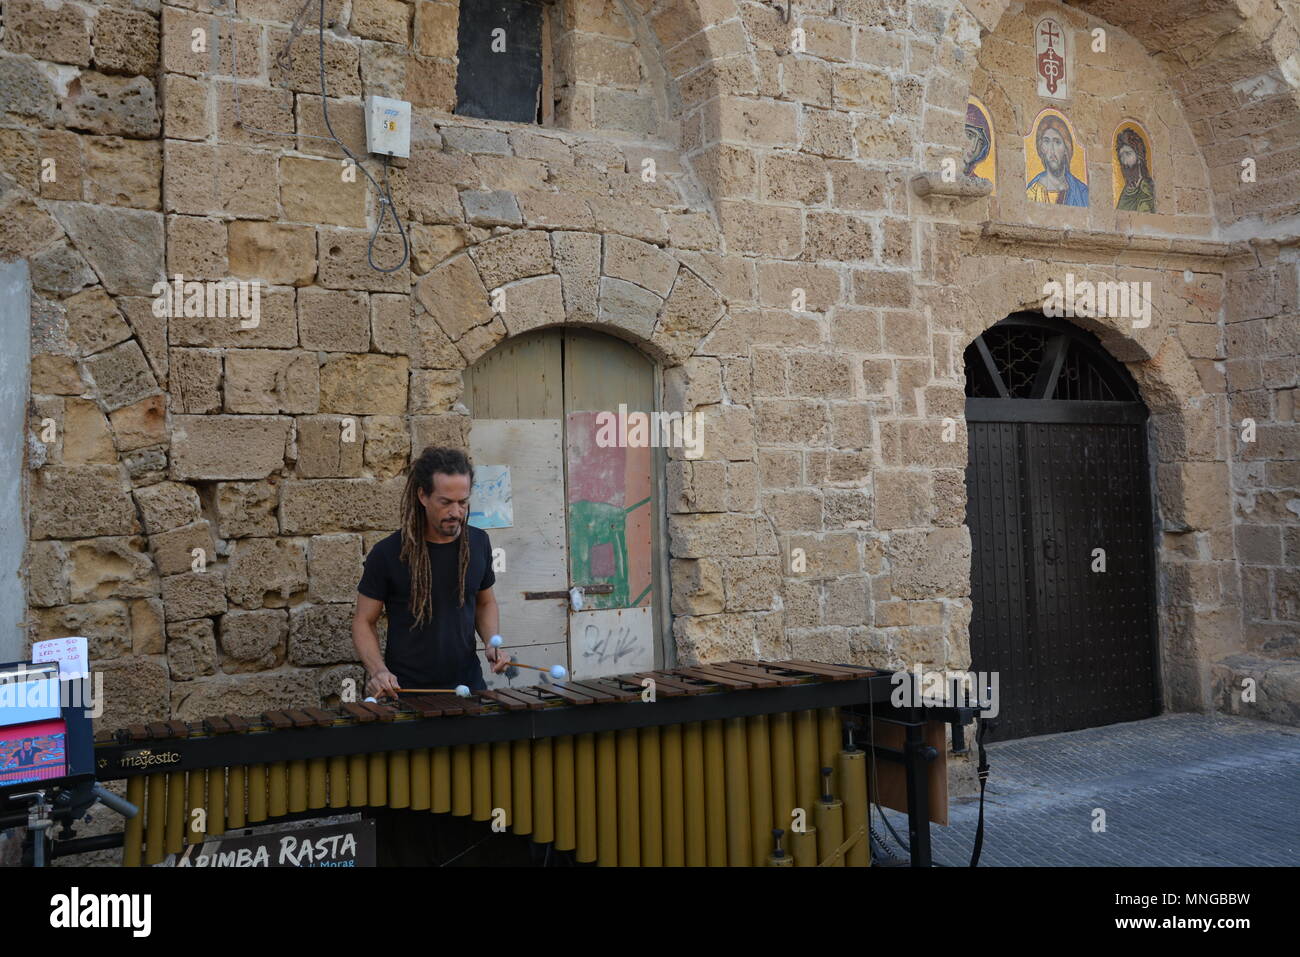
{"x": 609, "y": 515}
{"x": 980, "y": 160}
{"x": 1052, "y": 59}
{"x": 1056, "y": 164}
{"x": 1135, "y": 189}
{"x": 490, "y": 500}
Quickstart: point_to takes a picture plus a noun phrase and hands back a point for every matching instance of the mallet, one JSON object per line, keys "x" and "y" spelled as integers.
{"x": 558, "y": 672}
{"x": 460, "y": 691}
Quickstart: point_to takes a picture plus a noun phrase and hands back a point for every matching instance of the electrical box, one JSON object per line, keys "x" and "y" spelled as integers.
{"x": 388, "y": 126}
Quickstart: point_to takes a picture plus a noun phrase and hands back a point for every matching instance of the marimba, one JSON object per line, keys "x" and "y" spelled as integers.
{"x": 689, "y": 766}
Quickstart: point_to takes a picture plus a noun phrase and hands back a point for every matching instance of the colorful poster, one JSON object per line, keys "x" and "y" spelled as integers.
{"x": 981, "y": 160}
{"x": 1135, "y": 189}
{"x": 33, "y": 752}
{"x": 1056, "y": 164}
{"x": 609, "y": 515}
{"x": 490, "y": 500}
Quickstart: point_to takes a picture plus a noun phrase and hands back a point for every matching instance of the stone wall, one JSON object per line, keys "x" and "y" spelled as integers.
{"x": 275, "y": 454}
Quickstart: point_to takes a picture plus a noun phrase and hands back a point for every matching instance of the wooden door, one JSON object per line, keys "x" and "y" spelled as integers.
{"x": 581, "y": 514}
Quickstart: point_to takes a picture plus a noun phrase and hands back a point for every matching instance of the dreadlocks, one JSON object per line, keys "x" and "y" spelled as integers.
{"x": 415, "y": 553}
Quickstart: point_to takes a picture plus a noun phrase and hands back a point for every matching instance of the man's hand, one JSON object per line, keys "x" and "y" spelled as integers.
{"x": 382, "y": 684}
{"x": 498, "y": 659}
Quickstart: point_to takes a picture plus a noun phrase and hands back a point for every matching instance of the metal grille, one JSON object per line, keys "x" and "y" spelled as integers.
{"x": 1082, "y": 379}
{"x": 1017, "y": 353}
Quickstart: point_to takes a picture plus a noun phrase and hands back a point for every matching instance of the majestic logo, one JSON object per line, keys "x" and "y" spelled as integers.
{"x": 145, "y": 758}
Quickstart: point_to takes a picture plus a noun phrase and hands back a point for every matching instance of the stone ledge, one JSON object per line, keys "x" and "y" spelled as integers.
{"x": 1087, "y": 239}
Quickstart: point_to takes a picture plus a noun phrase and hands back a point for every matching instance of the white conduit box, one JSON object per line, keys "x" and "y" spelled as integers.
{"x": 388, "y": 126}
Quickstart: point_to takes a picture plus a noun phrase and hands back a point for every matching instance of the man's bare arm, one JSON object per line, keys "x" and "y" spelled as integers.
{"x": 366, "y": 640}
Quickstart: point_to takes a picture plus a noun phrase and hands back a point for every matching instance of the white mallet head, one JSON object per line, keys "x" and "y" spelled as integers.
{"x": 371, "y": 700}
{"x": 495, "y": 641}
{"x": 558, "y": 672}
{"x": 462, "y": 691}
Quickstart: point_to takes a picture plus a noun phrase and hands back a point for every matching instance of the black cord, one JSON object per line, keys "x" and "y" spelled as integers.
{"x": 386, "y": 204}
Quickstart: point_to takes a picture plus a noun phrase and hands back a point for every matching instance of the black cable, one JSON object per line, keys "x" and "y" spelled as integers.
{"x": 386, "y": 204}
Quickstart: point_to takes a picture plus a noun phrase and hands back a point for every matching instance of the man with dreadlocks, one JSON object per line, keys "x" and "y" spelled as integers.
{"x": 434, "y": 578}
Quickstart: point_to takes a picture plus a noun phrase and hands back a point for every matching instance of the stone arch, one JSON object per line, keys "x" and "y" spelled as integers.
{"x": 526, "y": 279}
{"x": 1191, "y": 488}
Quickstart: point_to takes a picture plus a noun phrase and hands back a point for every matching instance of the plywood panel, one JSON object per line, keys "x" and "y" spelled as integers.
{"x": 891, "y": 790}
{"x": 520, "y": 379}
{"x": 612, "y": 642}
{"x": 534, "y": 547}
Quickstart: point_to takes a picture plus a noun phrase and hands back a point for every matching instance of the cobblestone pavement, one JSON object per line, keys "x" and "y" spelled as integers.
{"x": 1177, "y": 790}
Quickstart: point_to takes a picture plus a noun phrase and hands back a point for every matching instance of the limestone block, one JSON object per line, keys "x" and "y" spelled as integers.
{"x": 316, "y": 506}
{"x": 211, "y": 447}
{"x": 60, "y": 271}
{"x": 266, "y": 572}
{"x": 47, "y": 574}
{"x": 334, "y": 567}
{"x": 105, "y": 624}
{"x": 273, "y": 252}
{"x": 388, "y": 20}
{"x": 497, "y": 207}
{"x": 94, "y": 322}
{"x": 135, "y": 692}
{"x": 577, "y": 260}
{"x": 80, "y": 502}
{"x": 363, "y": 384}
{"x": 390, "y": 323}
{"x": 431, "y": 84}
{"x": 455, "y": 296}
{"x": 59, "y": 32}
{"x": 110, "y": 568}
{"x": 344, "y": 264}
{"x": 516, "y": 255}
{"x": 533, "y": 304}
{"x": 331, "y": 320}
{"x": 85, "y": 435}
{"x": 388, "y": 445}
{"x": 701, "y": 639}
{"x": 123, "y": 246}
{"x": 828, "y": 555}
{"x": 276, "y": 327}
{"x": 185, "y": 108}
{"x": 246, "y": 509}
{"x": 329, "y": 446}
{"x": 254, "y": 640}
{"x": 166, "y": 505}
{"x": 141, "y": 424}
{"x": 752, "y": 584}
{"x": 195, "y": 380}
{"x": 191, "y": 649}
{"x": 174, "y": 550}
{"x": 640, "y": 263}
{"x": 436, "y": 26}
{"x": 435, "y": 391}
{"x": 121, "y": 172}
{"x": 196, "y": 248}
{"x": 123, "y": 106}
{"x": 450, "y": 430}
{"x": 711, "y": 534}
{"x": 342, "y": 74}
{"x": 126, "y": 41}
{"x": 194, "y": 594}
{"x": 320, "y": 635}
{"x": 271, "y": 380}
{"x": 314, "y": 191}
{"x": 696, "y": 587}
{"x": 930, "y": 563}
{"x": 1193, "y": 495}
{"x": 147, "y": 623}
{"x": 627, "y": 306}
{"x": 25, "y": 91}
{"x": 244, "y": 694}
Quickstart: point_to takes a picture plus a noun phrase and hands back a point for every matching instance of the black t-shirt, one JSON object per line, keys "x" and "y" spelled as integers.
{"x": 441, "y": 654}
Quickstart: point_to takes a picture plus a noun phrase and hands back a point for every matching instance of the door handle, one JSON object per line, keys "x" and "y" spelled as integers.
{"x": 604, "y": 588}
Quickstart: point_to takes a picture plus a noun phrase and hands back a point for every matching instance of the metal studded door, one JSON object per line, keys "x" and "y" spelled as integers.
{"x": 1059, "y": 508}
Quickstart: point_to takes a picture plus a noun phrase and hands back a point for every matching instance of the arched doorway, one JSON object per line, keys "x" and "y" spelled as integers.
{"x": 1059, "y": 507}
{"x": 583, "y": 510}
